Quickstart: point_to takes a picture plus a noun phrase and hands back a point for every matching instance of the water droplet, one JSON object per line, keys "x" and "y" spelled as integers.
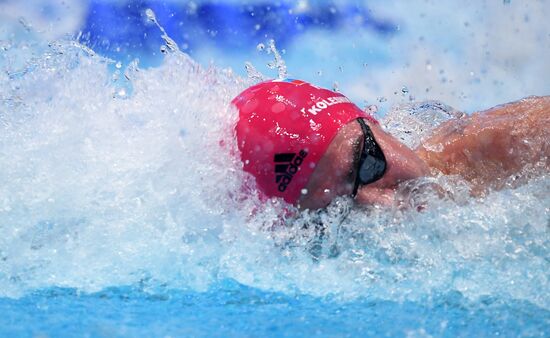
{"x": 163, "y": 49}
{"x": 120, "y": 93}
{"x": 171, "y": 45}
{"x": 118, "y": 65}
{"x": 335, "y": 87}
{"x": 382, "y": 99}
{"x": 404, "y": 90}
{"x": 304, "y": 191}
{"x": 260, "y": 47}
{"x": 371, "y": 109}
{"x": 326, "y": 191}
{"x": 150, "y": 15}
{"x": 131, "y": 69}
{"x": 25, "y": 24}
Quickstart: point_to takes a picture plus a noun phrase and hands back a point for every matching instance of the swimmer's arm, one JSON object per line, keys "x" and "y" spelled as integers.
{"x": 488, "y": 147}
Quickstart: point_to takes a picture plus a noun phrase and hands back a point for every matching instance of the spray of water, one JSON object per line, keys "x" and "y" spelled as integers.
{"x": 278, "y": 62}
{"x": 100, "y": 190}
{"x": 171, "y": 45}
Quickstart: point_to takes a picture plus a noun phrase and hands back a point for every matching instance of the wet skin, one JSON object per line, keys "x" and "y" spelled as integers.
{"x": 484, "y": 148}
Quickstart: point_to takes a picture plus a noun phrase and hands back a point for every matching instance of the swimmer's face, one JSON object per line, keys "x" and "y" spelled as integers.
{"x": 335, "y": 173}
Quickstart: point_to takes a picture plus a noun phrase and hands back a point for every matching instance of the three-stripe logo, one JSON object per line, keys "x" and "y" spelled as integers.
{"x": 286, "y": 166}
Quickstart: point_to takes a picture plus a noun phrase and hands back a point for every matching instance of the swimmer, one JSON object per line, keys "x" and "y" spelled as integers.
{"x": 309, "y": 145}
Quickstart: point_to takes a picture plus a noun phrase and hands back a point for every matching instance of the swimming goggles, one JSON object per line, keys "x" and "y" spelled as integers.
{"x": 372, "y": 164}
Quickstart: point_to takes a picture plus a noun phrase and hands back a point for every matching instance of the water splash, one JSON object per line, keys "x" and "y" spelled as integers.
{"x": 171, "y": 45}
{"x": 85, "y": 155}
{"x": 100, "y": 191}
{"x": 278, "y": 61}
{"x": 253, "y": 73}
{"x": 413, "y": 122}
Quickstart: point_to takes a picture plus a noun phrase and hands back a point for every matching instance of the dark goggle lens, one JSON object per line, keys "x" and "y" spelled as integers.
{"x": 371, "y": 170}
{"x": 372, "y": 164}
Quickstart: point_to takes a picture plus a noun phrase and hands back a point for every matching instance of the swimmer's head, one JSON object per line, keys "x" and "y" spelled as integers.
{"x": 285, "y": 128}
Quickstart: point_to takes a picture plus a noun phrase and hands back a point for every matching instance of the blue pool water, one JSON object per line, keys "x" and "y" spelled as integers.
{"x": 236, "y": 311}
{"x": 122, "y": 211}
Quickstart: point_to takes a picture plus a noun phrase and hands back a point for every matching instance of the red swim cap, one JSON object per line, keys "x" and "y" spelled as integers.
{"x": 284, "y": 129}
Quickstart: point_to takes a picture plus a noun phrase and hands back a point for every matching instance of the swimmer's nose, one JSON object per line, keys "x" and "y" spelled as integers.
{"x": 400, "y": 169}
{"x": 375, "y": 196}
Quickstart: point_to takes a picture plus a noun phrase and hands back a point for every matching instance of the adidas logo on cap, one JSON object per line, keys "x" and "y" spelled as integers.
{"x": 286, "y": 165}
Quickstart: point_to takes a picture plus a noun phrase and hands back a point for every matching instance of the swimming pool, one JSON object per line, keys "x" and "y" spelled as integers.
{"x": 121, "y": 208}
